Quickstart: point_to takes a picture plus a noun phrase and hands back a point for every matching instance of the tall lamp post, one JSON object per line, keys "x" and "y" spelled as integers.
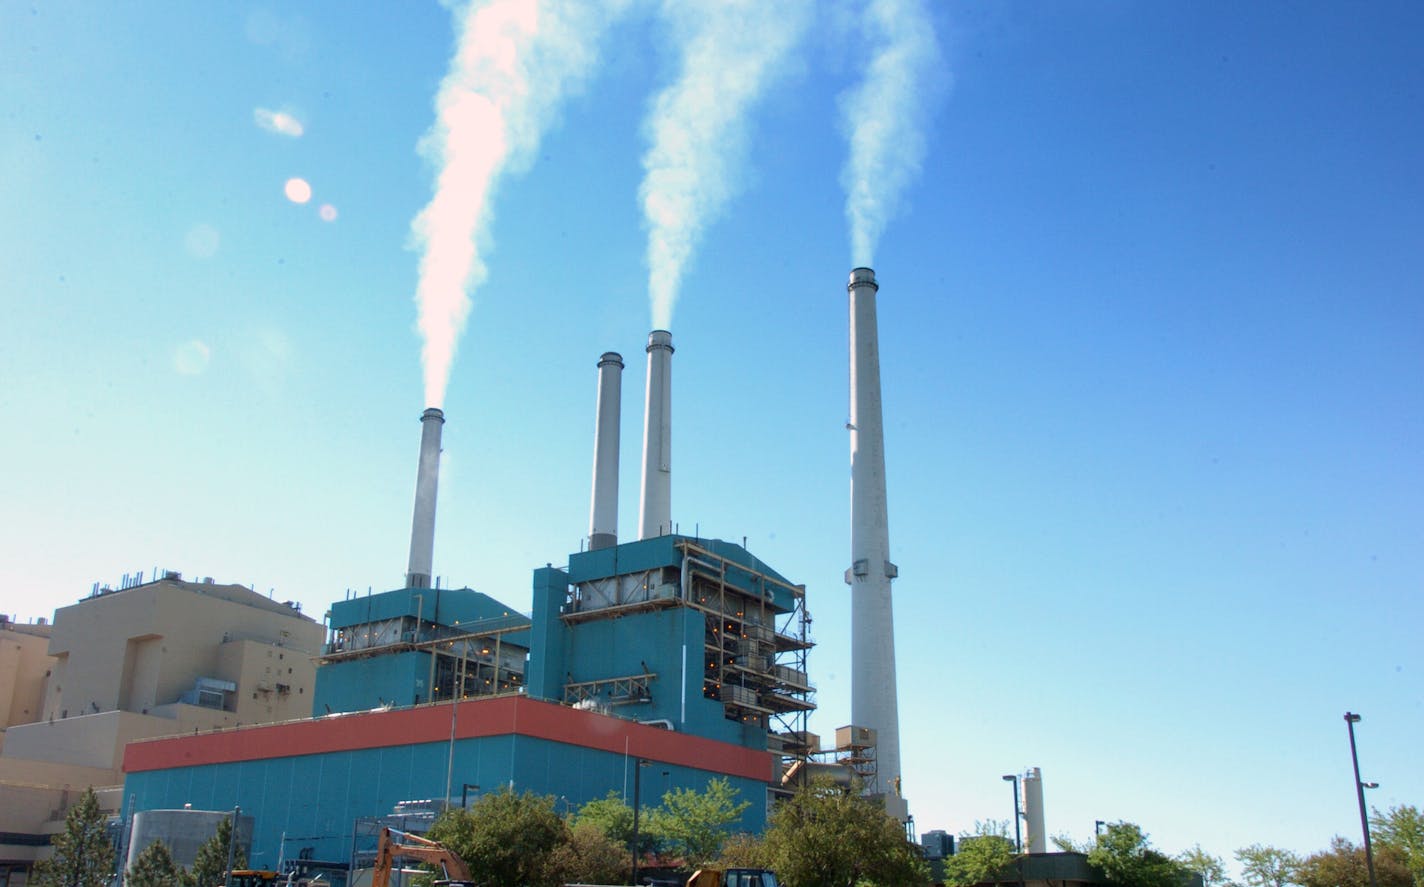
{"x": 1351, "y": 720}
{"x": 637, "y": 804}
{"x": 465, "y": 794}
{"x": 1018, "y": 835}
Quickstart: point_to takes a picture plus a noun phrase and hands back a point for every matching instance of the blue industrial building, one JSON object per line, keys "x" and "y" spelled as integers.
{"x": 689, "y": 654}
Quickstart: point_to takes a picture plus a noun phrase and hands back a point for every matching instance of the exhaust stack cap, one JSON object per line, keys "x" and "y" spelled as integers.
{"x": 862, "y": 277}
{"x": 659, "y": 339}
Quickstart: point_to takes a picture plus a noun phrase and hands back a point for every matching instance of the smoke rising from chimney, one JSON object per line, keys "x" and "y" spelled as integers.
{"x": 697, "y": 126}
{"x": 514, "y": 62}
{"x": 885, "y": 114}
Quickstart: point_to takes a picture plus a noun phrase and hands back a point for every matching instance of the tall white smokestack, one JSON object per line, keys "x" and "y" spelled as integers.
{"x": 872, "y": 700}
{"x": 603, "y": 512}
{"x": 1033, "y": 811}
{"x": 427, "y": 476}
{"x": 655, "y": 508}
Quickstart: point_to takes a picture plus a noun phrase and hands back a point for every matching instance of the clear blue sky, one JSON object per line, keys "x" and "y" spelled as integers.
{"x": 1152, "y": 322}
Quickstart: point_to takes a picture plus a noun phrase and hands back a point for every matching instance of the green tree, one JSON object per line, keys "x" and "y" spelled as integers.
{"x": 1264, "y": 866}
{"x": 743, "y": 851}
{"x": 1124, "y": 855}
{"x": 1344, "y": 865}
{"x": 588, "y": 856}
{"x": 505, "y": 838}
{"x": 210, "y": 864}
{"x": 1211, "y": 868}
{"x": 696, "y": 823}
{"x": 154, "y": 867}
{"x": 828, "y": 837}
{"x": 612, "y": 816}
{"x": 83, "y": 855}
{"x": 985, "y": 856}
{"x": 609, "y": 814}
{"x": 1066, "y": 843}
{"x": 1402, "y": 829}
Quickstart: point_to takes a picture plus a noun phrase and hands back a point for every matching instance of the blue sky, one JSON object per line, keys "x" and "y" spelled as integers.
{"x": 1151, "y": 326}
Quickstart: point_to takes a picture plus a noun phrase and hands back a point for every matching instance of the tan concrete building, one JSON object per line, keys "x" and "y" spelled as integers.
{"x": 24, "y": 665}
{"x": 155, "y": 659}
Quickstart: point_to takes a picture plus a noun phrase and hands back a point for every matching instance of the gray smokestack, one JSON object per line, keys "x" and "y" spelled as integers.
{"x": 427, "y": 477}
{"x": 603, "y": 512}
{"x": 872, "y": 631}
{"x": 655, "y": 508}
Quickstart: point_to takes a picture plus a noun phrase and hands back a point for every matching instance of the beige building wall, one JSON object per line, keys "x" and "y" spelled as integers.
{"x": 25, "y": 663}
{"x": 145, "y": 646}
{"x": 125, "y": 665}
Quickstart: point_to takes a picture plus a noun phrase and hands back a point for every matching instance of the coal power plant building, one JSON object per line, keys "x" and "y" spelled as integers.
{"x": 656, "y": 664}
{"x": 685, "y": 653}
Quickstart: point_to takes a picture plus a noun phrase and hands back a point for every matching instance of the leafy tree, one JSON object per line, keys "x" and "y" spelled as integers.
{"x": 588, "y": 856}
{"x": 1124, "y": 855}
{"x": 1211, "y": 868}
{"x": 743, "y": 851}
{"x": 1066, "y": 843}
{"x": 1402, "y": 829}
{"x": 1344, "y": 865}
{"x": 505, "y": 838}
{"x": 210, "y": 864}
{"x": 83, "y": 856}
{"x": 610, "y": 815}
{"x": 980, "y": 857}
{"x": 1264, "y": 866}
{"x": 696, "y": 823}
{"x": 154, "y": 867}
{"x": 828, "y": 837}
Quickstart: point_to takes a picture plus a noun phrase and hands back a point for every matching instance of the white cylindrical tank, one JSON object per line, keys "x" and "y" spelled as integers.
{"x": 873, "y": 694}
{"x": 427, "y": 478}
{"x": 603, "y": 511}
{"x": 184, "y": 831}
{"x": 1033, "y": 811}
{"x": 655, "y": 506}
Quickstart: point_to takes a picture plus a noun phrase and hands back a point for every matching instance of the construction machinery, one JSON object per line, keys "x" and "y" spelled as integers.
{"x": 732, "y": 878}
{"x": 457, "y": 874}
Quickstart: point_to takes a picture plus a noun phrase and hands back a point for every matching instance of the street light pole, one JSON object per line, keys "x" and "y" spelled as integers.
{"x": 1351, "y": 720}
{"x": 1098, "y": 827}
{"x": 1018, "y": 834}
{"x": 637, "y": 804}
{"x": 465, "y": 794}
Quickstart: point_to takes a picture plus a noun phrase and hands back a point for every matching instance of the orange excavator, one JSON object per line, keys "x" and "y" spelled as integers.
{"x": 457, "y": 874}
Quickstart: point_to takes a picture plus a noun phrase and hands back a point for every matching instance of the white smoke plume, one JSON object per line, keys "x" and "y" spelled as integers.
{"x": 728, "y": 50}
{"x": 884, "y": 116}
{"x": 283, "y": 123}
{"x": 514, "y": 62}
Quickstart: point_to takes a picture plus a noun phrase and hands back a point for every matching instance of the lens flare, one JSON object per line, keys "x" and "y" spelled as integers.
{"x": 298, "y": 190}
{"x": 327, "y": 212}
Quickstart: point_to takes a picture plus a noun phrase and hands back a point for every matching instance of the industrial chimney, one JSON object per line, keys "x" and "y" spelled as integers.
{"x": 603, "y": 512}
{"x": 1033, "y": 810}
{"x": 427, "y": 476}
{"x": 655, "y": 509}
{"x": 873, "y": 696}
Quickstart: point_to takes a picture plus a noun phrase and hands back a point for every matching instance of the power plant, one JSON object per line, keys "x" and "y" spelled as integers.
{"x": 686, "y": 652}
